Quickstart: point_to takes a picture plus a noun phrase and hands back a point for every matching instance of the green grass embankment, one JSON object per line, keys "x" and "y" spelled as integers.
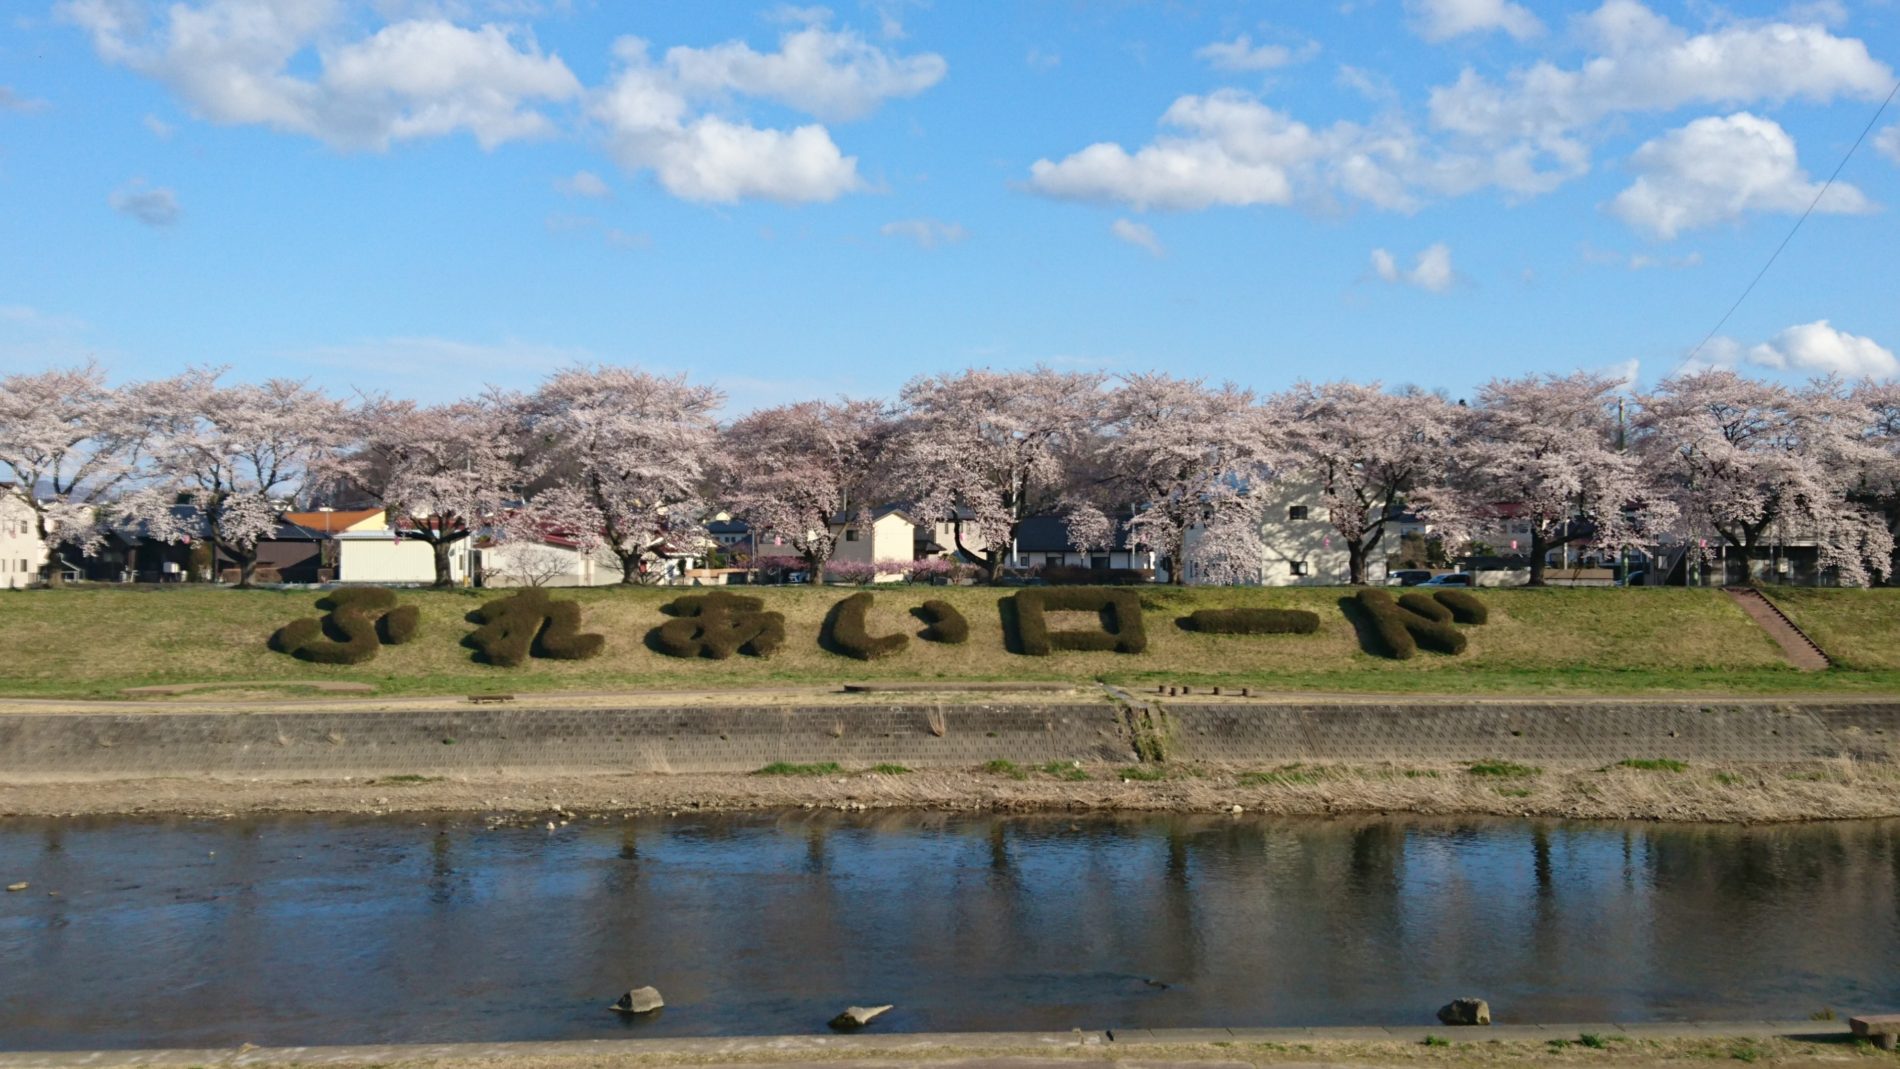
{"x": 94, "y": 642}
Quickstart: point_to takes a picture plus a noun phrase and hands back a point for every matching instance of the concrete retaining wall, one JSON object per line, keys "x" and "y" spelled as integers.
{"x": 724, "y": 739}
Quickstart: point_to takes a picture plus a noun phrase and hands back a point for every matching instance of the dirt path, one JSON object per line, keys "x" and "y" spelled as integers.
{"x": 1729, "y": 793}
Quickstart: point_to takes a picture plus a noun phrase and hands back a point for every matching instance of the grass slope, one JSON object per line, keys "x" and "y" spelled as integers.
{"x": 1859, "y": 629}
{"x": 93, "y": 642}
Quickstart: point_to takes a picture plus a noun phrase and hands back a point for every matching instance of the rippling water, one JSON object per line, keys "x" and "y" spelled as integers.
{"x": 320, "y": 930}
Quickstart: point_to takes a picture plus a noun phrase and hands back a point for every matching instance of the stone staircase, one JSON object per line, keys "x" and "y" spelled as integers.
{"x": 1801, "y": 651}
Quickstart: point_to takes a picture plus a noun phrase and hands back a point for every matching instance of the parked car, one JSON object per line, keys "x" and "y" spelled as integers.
{"x": 1452, "y": 579}
{"x": 1638, "y": 578}
{"x": 1407, "y": 577}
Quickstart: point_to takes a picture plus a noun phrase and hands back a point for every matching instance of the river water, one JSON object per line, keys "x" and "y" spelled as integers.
{"x": 329, "y": 930}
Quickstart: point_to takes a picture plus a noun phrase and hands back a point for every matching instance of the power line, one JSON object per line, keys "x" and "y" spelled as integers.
{"x": 1825, "y": 186}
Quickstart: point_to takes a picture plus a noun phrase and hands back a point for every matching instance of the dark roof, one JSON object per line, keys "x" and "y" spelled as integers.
{"x": 1050, "y": 534}
{"x": 732, "y": 526}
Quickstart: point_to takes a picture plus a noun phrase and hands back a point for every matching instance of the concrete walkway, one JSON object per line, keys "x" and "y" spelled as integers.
{"x": 962, "y": 1049}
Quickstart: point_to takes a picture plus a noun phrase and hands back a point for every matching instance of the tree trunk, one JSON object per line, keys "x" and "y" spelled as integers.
{"x": 444, "y": 574}
{"x": 1539, "y": 547}
{"x": 1177, "y": 561}
{"x": 629, "y": 567}
{"x": 815, "y": 569}
{"x": 247, "y": 567}
{"x": 1356, "y": 561}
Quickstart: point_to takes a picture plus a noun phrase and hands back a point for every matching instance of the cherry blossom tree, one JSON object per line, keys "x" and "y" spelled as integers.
{"x": 1756, "y": 462}
{"x": 1881, "y": 486}
{"x": 637, "y": 449}
{"x": 440, "y": 472}
{"x": 1366, "y": 449}
{"x": 1188, "y": 459}
{"x": 69, "y": 441}
{"x": 234, "y": 453}
{"x": 796, "y": 472}
{"x": 1543, "y": 450}
{"x": 985, "y": 450}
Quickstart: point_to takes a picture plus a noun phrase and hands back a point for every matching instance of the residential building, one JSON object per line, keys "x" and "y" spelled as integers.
{"x": 1044, "y": 540}
{"x": 1299, "y": 545}
{"x": 22, "y": 553}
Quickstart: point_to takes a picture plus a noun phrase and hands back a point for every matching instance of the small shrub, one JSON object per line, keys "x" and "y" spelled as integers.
{"x": 528, "y": 624}
{"x": 358, "y": 614}
{"x": 859, "y": 572}
{"x": 1123, "y": 607}
{"x": 1066, "y": 771}
{"x": 1001, "y": 767}
{"x": 1556, "y": 1044}
{"x": 1504, "y": 770}
{"x": 947, "y": 625}
{"x": 786, "y": 768}
{"x": 890, "y": 770}
{"x": 1727, "y": 779}
{"x": 1254, "y": 621}
{"x": 1594, "y": 1041}
{"x": 1435, "y": 1041}
{"x": 846, "y": 630}
{"x": 718, "y": 625}
{"x": 1747, "y": 1050}
{"x": 1653, "y": 764}
{"x": 1078, "y": 575}
{"x": 1425, "y": 605}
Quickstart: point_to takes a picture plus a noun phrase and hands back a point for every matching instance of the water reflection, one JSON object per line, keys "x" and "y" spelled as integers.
{"x": 316, "y": 930}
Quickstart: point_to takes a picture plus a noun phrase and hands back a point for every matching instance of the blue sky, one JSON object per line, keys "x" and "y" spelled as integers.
{"x": 422, "y": 196}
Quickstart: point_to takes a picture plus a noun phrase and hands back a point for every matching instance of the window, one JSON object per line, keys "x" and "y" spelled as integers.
{"x": 1297, "y": 567}
{"x": 1296, "y": 512}
{"x": 851, "y": 534}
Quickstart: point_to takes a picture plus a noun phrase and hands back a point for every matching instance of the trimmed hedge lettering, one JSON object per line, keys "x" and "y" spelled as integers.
{"x": 1415, "y": 620}
{"x": 718, "y": 625}
{"x": 947, "y": 625}
{"x": 1253, "y": 621}
{"x": 849, "y": 634}
{"x": 1120, "y": 609}
{"x": 532, "y": 624}
{"x": 364, "y": 617}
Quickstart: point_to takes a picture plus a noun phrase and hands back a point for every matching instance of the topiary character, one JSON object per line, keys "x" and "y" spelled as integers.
{"x": 364, "y": 617}
{"x": 1417, "y": 620}
{"x": 1120, "y": 609}
{"x": 1253, "y": 621}
{"x": 718, "y": 625}
{"x": 532, "y": 624}
{"x": 947, "y": 625}
{"x": 847, "y": 630}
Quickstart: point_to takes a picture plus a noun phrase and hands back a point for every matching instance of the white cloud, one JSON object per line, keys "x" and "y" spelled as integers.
{"x": 153, "y": 207}
{"x": 241, "y": 62}
{"x": 1641, "y": 62}
{"x": 1431, "y": 271}
{"x": 1229, "y": 149}
{"x": 653, "y": 113}
{"x": 159, "y": 127}
{"x": 1814, "y": 348}
{"x": 1888, "y": 142}
{"x": 1442, "y": 20}
{"x": 1139, "y": 235}
{"x": 927, "y": 233}
{"x": 1241, "y": 54}
{"x": 10, "y": 100}
{"x": 834, "y": 75}
{"x": 584, "y": 184}
{"x": 1720, "y": 169}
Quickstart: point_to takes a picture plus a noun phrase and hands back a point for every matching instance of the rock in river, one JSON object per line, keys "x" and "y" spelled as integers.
{"x": 856, "y": 1017}
{"x": 1466, "y": 1011}
{"x": 640, "y": 1000}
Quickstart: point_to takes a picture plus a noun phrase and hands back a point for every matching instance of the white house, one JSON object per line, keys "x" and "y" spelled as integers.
{"x": 22, "y": 554}
{"x": 1299, "y": 545}
{"x": 376, "y": 555}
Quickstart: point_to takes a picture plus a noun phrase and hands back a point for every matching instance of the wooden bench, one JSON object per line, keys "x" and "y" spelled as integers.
{"x": 1883, "y": 1029}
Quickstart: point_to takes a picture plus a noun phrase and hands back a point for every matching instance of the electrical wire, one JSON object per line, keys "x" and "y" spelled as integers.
{"x": 1825, "y": 186}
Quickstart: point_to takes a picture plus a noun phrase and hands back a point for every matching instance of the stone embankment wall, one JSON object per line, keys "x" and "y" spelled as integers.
{"x": 482, "y": 739}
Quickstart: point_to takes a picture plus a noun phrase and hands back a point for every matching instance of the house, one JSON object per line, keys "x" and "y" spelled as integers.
{"x": 891, "y": 539}
{"x": 1299, "y": 544}
{"x": 22, "y": 553}
{"x": 370, "y": 551}
{"x": 1044, "y": 540}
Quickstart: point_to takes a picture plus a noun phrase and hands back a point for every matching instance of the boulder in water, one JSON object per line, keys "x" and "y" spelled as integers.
{"x": 640, "y": 1000}
{"x": 1462, "y": 1011}
{"x": 856, "y": 1017}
